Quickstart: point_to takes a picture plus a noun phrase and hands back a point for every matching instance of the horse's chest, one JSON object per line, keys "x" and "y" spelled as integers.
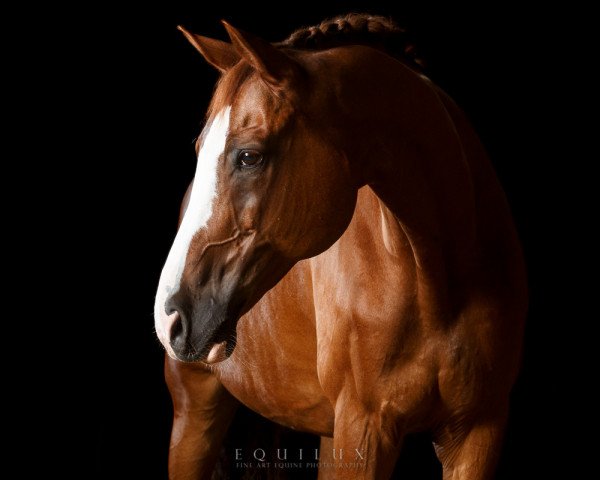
{"x": 275, "y": 375}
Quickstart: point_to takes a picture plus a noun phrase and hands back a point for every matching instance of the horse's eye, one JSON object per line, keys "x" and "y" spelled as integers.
{"x": 250, "y": 158}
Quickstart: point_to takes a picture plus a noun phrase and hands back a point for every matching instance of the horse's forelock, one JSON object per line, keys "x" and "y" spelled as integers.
{"x": 228, "y": 87}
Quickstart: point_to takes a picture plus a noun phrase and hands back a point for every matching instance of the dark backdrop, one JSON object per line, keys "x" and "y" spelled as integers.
{"x": 140, "y": 92}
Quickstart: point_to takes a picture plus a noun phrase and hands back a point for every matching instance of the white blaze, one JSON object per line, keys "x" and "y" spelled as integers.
{"x": 197, "y": 214}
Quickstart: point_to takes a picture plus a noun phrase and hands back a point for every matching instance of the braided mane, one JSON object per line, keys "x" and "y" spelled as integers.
{"x": 357, "y": 29}
{"x": 352, "y": 29}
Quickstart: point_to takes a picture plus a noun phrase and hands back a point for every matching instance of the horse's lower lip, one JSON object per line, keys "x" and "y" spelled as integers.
{"x": 217, "y": 353}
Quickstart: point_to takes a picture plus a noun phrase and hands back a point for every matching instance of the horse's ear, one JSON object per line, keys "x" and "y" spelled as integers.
{"x": 221, "y": 55}
{"x": 274, "y": 66}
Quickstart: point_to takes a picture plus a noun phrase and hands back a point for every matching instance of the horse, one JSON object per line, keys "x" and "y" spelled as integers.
{"x": 346, "y": 262}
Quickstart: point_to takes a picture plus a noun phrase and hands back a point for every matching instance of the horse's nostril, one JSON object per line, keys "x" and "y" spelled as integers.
{"x": 172, "y": 305}
{"x": 177, "y": 333}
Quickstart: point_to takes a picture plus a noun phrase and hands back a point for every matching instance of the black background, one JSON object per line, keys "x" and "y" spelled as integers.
{"x": 136, "y": 93}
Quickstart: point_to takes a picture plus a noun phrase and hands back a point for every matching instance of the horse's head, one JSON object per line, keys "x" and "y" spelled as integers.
{"x": 268, "y": 191}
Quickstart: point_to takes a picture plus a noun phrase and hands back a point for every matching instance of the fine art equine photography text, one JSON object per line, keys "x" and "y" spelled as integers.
{"x": 327, "y": 239}
{"x": 344, "y": 228}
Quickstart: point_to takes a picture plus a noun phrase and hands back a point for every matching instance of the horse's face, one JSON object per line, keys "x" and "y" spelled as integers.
{"x": 268, "y": 191}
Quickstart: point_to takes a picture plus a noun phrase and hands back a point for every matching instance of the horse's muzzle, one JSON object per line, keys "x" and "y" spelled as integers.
{"x": 207, "y": 333}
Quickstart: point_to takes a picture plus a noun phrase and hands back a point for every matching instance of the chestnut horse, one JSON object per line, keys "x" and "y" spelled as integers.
{"x": 346, "y": 262}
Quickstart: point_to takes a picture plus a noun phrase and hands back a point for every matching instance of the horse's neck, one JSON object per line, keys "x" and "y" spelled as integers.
{"x": 419, "y": 169}
{"x": 402, "y": 246}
